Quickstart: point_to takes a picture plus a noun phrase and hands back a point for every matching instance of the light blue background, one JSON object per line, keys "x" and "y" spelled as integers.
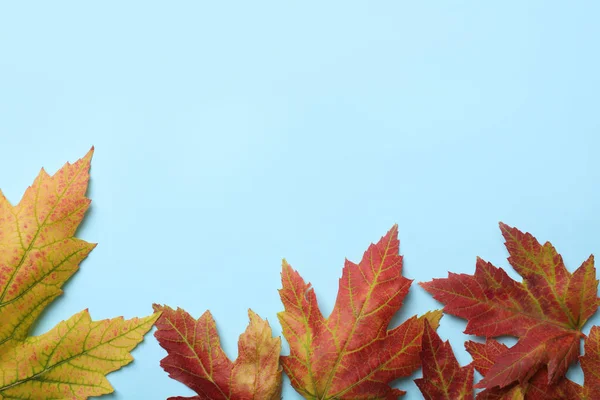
{"x": 229, "y": 135}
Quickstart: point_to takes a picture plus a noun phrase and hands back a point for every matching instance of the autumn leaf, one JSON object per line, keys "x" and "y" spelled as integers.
{"x": 536, "y": 388}
{"x": 545, "y": 312}
{"x": 38, "y": 254}
{"x": 351, "y": 354}
{"x": 196, "y": 359}
{"x": 443, "y": 378}
{"x": 590, "y": 363}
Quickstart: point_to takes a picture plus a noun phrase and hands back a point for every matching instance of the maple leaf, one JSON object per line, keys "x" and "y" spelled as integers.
{"x": 590, "y": 363}
{"x": 443, "y": 378}
{"x": 196, "y": 359}
{"x": 38, "y": 253}
{"x": 536, "y": 388}
{"x": 351, "y": 354}
{"x": 546, "y": 311}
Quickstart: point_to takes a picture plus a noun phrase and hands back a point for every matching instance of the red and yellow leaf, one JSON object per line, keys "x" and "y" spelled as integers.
{"x": 351, "y": 354}
{"x": 196, "y": 359}
{"x": 38, "y": 254}
{"x": 546, "y": 311}
{"x": 537, "y": 388}
{"x": 443, "y": 378}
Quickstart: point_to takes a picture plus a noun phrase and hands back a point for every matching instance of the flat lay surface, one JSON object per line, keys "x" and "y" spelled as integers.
{"x": 229, "y": 136}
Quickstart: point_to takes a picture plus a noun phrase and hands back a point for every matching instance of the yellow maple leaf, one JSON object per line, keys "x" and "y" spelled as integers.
{"x": 38, "y": 254}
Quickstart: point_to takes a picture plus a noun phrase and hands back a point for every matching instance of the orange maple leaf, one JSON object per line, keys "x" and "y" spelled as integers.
{"x": 38, "y": 254}
{"x": 351, "y": 354}
{"x": 546, "y": 311}
{"x": 195, "y": 357}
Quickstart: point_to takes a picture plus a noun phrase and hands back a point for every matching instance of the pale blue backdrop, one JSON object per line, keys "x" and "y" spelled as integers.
{"x": 231, "y": 134}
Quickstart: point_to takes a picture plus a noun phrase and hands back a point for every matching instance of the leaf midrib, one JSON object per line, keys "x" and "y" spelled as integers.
{"x": 496, "y": 305}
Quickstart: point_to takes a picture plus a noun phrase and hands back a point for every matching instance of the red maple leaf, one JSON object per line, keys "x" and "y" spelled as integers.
{"x": 546, "y": 311}
{"x": 196, "y": 359}
{"x": 537, "y": 388}
{"x": 352, "y": 354}
{"x": 590, "y": 363}
{"x": 443, "y": 378}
